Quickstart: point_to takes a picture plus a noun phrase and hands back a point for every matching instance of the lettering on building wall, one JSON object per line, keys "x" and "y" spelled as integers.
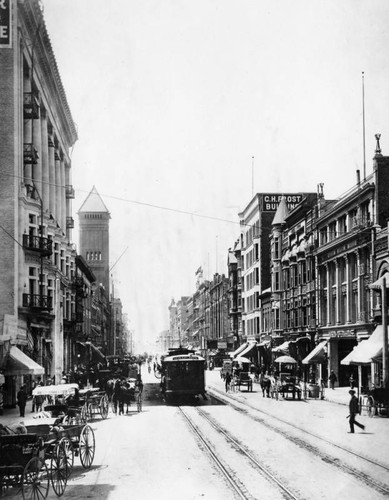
{"x": 5, "y": 24}
{"x": 270, "y": 202}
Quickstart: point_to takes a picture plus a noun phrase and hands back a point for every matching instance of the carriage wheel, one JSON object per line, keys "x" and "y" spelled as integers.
{"x": 104, "y": 407}
{"x": 157, "y": 374}
{"x": 370, "y": 406}
{"x": 35, "y": 480}
{"x": 87, "y": 446}
{"x": 68, "y": 451}
{"x": 59, "y": 471}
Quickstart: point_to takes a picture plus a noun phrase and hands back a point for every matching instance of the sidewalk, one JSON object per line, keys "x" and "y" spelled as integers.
{"x": 338, "y": 395}
{"x": 11, "y": 415}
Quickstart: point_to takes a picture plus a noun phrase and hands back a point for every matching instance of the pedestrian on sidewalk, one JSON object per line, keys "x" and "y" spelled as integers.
{"x": 332, "y": 378}
{"x": 22, "y": 400}
{"x": 352, "y": 381}
{"x": 228, "y": 381}
{"x": 354, "y": 410}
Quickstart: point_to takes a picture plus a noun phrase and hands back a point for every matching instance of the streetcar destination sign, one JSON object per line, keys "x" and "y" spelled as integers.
{"x": 5, "y": 24}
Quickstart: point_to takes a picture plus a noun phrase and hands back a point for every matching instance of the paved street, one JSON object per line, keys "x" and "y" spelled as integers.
{"x": 154, "y": 454}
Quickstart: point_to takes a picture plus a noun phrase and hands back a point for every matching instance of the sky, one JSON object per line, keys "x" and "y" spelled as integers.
{"x": 184, "y": 109}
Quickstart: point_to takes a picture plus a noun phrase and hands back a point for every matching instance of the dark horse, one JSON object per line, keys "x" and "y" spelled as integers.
{"x": 109, "y": 387}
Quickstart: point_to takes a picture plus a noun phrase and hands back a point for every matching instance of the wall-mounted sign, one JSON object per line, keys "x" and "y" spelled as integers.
{"x": 5, "y": 24}
{"x": 270, "y": 202}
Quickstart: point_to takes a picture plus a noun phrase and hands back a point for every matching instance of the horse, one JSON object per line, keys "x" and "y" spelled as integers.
{"x": 127, "y": 394}
{"x": 109, "y": 388}
{"x": 265, "y": 384}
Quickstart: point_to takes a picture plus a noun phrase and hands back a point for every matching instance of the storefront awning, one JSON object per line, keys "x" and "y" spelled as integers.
{"x": 248, "y": 350}
{"x": 239, "y": 350}
{"x": 317, "y": 355}
{"x": 96, "y": 353}
{"x": 19, "y": 363}
{"x": 368, "y": 351}
{"x": 282, "y": 349}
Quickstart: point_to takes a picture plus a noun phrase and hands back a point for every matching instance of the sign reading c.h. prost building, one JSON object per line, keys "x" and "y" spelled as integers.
{"x": 270, "y": 202}
{"x": 5, "y": 24}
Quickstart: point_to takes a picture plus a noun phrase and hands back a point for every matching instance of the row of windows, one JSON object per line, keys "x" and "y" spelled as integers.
{"x": 58, "y": 258}
{"x": 38, "y": 283}
{"x": 354, "y": 218}
{"x": 252, "y": 279}
{"x": 251, "y": 256}
{"x": 252, "y": 302}
{"x": 93, "y": 256}
{"x": 252, "y": 232}
{"x": 93, "y": 216}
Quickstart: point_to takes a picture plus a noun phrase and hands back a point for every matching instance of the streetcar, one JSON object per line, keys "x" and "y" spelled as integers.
{"x": 182, "y": 374}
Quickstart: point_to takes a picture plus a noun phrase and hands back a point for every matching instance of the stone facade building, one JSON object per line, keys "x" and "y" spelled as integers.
{"x": 38, "y": 258}
{"x": 324, "y": 256}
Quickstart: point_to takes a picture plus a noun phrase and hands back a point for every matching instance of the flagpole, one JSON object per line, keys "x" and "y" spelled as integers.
{"x": 252, "y": 177}
{"x": 363, "y": 119}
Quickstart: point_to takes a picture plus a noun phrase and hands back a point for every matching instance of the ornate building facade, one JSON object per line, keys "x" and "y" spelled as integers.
{"x": 38, "y": 258}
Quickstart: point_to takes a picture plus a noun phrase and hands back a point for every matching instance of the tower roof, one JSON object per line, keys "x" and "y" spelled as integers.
{"x": 93, "y": 203}
{"x": 282, "y": 212}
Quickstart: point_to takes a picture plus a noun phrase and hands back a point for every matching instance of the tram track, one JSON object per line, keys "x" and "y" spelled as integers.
{"x": 365, "y": 478}
{"x": 229, "y": 474}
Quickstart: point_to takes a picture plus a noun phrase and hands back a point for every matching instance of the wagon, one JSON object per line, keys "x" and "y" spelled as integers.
{"x": 74, "y": 405}
{"x": 62, "y": 444}
{"x": 245, "y": 379}
{"x": 22, "y": 464}
{"x": 375, "y": 402}
{"x": 42, "y": 456}
{"x": 289, "y": 385}
{"x": 65, "y": 403}
{"x": 96, "y": 402}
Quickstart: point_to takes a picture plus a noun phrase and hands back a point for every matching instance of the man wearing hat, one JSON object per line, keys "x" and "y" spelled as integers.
{"x": 354, "y": 410}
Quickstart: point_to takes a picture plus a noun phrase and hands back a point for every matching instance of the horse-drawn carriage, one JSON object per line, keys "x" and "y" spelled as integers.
{"x": 375, "y": 402}
{"x": 72, "y": 404}
{"x": 40, "y": 455}
{"x": 289, "y": 385}
{"x": 94, "y": 402}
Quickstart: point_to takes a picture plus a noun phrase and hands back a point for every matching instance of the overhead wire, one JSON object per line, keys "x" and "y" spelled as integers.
{"x": 147, "y": 204}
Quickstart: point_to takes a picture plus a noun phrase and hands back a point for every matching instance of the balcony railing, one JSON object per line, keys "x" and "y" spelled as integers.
{"x": 69, "y": 192}
{"x": 34, "y": 301}
{"x": 30, "y": 154}
{"x": 69, "y": 223}
{"x": 31, "y": 105}
{"x": 38, "y": 244}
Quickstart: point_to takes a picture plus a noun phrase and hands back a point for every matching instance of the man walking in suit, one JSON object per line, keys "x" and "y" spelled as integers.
{"x": 354, "y": 410}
